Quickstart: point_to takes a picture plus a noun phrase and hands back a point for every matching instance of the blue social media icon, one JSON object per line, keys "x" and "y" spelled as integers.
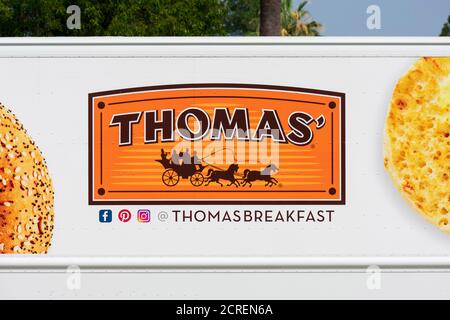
{"x": 105, "y": 216}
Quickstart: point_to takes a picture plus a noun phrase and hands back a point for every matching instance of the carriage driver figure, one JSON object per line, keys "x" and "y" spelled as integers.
{"x": 185, "y": 159}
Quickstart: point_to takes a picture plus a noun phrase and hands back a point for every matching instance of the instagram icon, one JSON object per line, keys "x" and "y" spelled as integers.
{"x": 143, "y": 215}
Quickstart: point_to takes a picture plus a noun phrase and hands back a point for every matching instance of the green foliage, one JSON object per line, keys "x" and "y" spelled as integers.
{"x": 169, "y": 18}
{"x": 297, "y": 22}
{"x": 113, "y": 17}
{"x": 242, "y": 17}
{"x": 147, "y": 18}
{"x": 26, "y": 18}
{"x": 445, "y": 32}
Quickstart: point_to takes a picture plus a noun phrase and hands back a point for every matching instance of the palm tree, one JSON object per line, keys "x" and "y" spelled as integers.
{"x": 297, "y": 22}
{"x": 446, "y": 29}
{"x": 269, "y": 18}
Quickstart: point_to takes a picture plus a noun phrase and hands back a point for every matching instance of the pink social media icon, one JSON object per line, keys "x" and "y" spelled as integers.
{"x": 143, "y": 215}
{"x": 124, "y": 215}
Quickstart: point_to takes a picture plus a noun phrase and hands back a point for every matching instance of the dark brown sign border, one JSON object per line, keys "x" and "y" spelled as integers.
{"x": 91, "y": 97}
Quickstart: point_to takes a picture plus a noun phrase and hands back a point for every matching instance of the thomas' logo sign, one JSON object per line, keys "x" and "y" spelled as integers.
{"x": 216, "y": 143}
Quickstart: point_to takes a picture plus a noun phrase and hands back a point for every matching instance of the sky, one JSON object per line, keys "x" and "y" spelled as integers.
{"x": 398, "y": 17}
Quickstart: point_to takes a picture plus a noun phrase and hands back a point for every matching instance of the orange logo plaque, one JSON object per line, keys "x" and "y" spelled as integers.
{"x": 216, "y": 144}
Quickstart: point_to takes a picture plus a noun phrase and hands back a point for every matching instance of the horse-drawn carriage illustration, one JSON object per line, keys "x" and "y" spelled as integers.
{"x": 182, "y": 165}
{"x": 178, "y": 166}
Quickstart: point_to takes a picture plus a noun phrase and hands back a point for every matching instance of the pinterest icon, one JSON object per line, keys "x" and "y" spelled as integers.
{"x": 124, "y": 215}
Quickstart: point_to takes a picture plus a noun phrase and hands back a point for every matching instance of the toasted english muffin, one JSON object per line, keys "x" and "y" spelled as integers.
{"x": 417, "y": 139}
{"x": 26, "y": 191}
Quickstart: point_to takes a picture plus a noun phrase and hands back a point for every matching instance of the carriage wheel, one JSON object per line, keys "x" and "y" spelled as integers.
{"x": 170, "y": 177}
{"x": 197, "y": 179}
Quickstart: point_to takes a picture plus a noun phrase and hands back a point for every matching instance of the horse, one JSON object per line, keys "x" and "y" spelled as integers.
{"x": 216, "y": 175}
{"x": 264, "y": 175}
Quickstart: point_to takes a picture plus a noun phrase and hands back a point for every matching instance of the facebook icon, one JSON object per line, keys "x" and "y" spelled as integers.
{"x": 105, "y": 216}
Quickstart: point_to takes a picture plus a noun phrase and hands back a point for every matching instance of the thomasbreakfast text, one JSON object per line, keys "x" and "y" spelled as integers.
{"x": 254, "y": 215}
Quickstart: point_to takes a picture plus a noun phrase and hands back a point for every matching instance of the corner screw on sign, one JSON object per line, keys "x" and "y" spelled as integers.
{"x": 216, "y": 143}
